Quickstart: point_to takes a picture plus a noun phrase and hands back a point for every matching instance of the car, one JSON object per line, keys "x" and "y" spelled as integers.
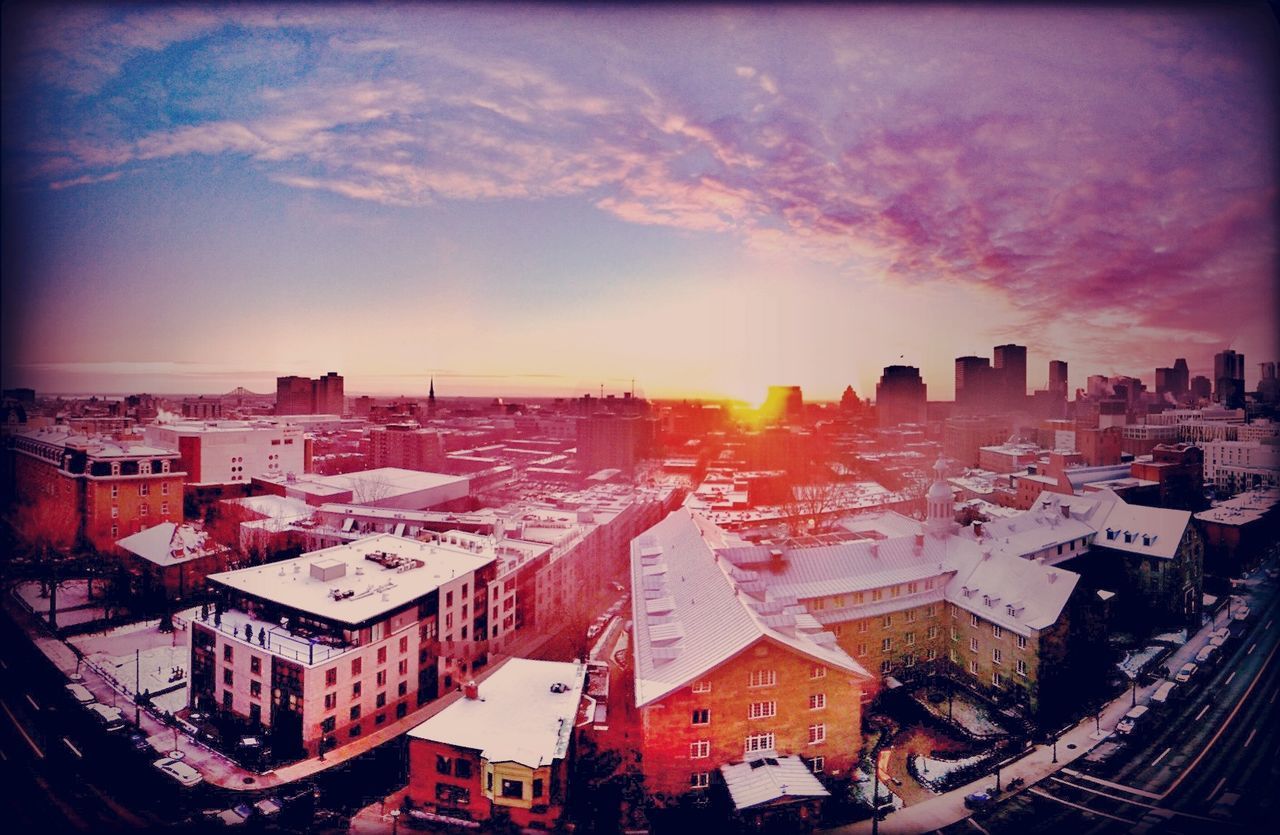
{"x": 178, "y": 770}
{"x": 1164, "y": 693}
{"x": 1188, "y": 670}
{"x": 1225, "y": 807}
{"x": 111, "y": 717}
{"x": 1241, "y": 613}
{"x": 138, "y": 742}
{"x": 235, "y": 816}
{"x": 1126, "y": 725}
{"x": 1206, "y": 654}
{"x": 977, "y": 800}
{"x": 81, "y": 694}
{"x": 268, "y": 806}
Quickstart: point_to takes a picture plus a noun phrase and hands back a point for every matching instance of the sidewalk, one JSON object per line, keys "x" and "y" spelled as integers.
{"x": 219, "y": 770}
{"x": 1037, "y": 764}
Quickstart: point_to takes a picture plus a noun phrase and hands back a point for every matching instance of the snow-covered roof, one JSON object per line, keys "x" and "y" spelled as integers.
{"x": 691, "y": 615}
{"x": 378, "y": 484}
{"x": 525, "y": 713}
{"x": 1151, "y": 531}
{"x": 886, "y": 523}
{"x": 1018, "y": 594}
{"x": 170, "y": 544}
{"x": 398, "y": 572}
{"x": 1242, "y": 509}
{"x": 765, "y": 777}
{"x": 270, "y": 506}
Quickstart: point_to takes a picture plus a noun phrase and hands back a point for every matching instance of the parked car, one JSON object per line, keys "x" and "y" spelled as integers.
{"x": 110, "y": 717}
{"x": 1241, "y": 613}
{"x": 235, "y": 816}
{"x": 1164, "y": 693}
{"x": 1188, "y": 670}
{"x": 1130, "y": 720}
{"x": 977, "y": 800}
{"x": 81, "y": 694}
{"x": 178, "y": 770}
{"x": 1206, "y": 654}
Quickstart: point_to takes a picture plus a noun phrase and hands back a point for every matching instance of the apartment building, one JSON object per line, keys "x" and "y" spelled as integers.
{"x": 317, "y": 650}
{"x": 722, "y": 671}
{"x": 107, "y": 488}
{"x": 507, "y": 744}
{"x": 227, "y": 452}
{"x": 407, "y": 446}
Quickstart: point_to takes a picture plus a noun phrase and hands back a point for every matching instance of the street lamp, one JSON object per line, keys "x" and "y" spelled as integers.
{"x": 875, "y": 783}
{"x": 1055, "y": 748}
{"x": 395, "y": 820}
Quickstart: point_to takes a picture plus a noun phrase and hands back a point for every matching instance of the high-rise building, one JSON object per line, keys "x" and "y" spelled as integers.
{"x": 975, "y": 381}
{"x": 406, "y": 446}
{"x": 1268, "y": 383}
{"x": 303, "y": 396}
{"x": 1228, "y": 379}
{"x": 783, "y": 404}
{"x": 1011, "y": 370}
{"x": 1173, "y": 380}
{"x": 1058, "y": 377}
{"x": 901, "y": 396}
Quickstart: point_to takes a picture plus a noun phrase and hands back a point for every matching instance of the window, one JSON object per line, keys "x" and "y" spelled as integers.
{"x": 355, "y": 666}
{"x": 886, "y": 645}
{"x": 331, "y": 677}
{"x": 762, "y": 678}
{"x": 702, "y": 687}
{"x": 402, "y": 688}
{"x": 144, "y": 489}
{"x": 912, "y": 588}
{"x": 817, "y": 733}
{"x": 226, "y": 652}
{"x": 911, "y": 638}
{"x": 403, "y": 668}
{"x": 380, "y": 718}
{"x": 143, "y": 510}
{"x": 973, "y": 620}
{"x": 512, "y": 788}
{"x": 255, "y": 665}
{"x": 381, "y": 700}
{"x": 816, "y": 764}
{"x": 895, "y": 591}
{"x": 762, "y": 710}
{"x": 996, "y": 679}
{"x": 933, "y": 632}
{"x": 164, "y": 488}
{"x": 996, "y": 656}
{"x": 355, "y": 713}
{"x": 973, "y": 667}
{"x": 931, "y": 653}
{"x": 115, "y": 531}
{"x": 226, "y": 676}
{"x": 973, "y": 644}
{"x": 886, "y": 667}
{"x": 911, "y": 616}
{"x": 819, "y": 603}
{"x": 226, "y": 699}
{"x": 864, "y": 625}
{"x": 1021, "y": 667}
{"x": 699, "y": 779}
{"x": 382, "y": 655}
{"x": 930, "y": 611}
{"x": 887, "y": 621}
{"x": 817, "y": 671}
{"x": 330, "y": 701}
{"x": 381, "y": 677}
{"x": 115, "y": 491}
{"x": 955, "y": 634}
{"x": 876, "y": 594}
{"x": 255, "y": 714}
{"x": 255, "y": 689}
{"x": 700, "y": 750}
{"x": 1022, "y": 642}
{"x": 404, "y": 644}
{"x": 857, "y": 598}
{"x": 759, "y": 742}
{"x": 862, "y": 649}
{"x": 329, "y": 724}
{"x": 443, "y": 764}
{"x": 817, "y": 701}
{"x": 701, "y": 716}
{"x": 355, "y": 690}
{"x": 462, "y": 768}
{"x": 996, "y": 631}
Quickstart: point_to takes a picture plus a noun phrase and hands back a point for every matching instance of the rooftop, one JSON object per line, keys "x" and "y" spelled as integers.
{"x": 524, "y": 713}
{"x": 356, "y": 582}
{"x": 170, "y": 544}
{"x": 766, "y": 777}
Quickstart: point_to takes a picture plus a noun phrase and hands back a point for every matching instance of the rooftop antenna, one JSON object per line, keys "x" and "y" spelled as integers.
{"x": 602, "y": 391}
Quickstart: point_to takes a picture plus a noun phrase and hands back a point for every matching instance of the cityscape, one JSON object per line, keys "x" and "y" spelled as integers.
{"x": 656, "y": 419}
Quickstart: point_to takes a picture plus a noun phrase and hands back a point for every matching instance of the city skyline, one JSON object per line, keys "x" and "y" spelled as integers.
{"x": 521, "y": 201}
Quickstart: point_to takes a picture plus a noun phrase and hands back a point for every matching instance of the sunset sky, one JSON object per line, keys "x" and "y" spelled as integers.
{"x": 532, "y": 199}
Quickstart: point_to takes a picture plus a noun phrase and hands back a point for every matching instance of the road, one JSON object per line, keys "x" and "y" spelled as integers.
{"x": 1222, "y": 737}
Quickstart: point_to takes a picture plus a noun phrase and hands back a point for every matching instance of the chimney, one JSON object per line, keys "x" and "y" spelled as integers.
{"x": 875, "y": 550}
{"x": 919, "y": 542}
{"x": 1066, "y": 511}
{"x": 471, "y": 690}
{"x": 977, "y": 529}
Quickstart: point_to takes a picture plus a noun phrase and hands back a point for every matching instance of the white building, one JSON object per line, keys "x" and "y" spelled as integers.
{"x": 232, "y": 451}
{"x": 325, "y": 647}
{"x": 1234, "y": 466}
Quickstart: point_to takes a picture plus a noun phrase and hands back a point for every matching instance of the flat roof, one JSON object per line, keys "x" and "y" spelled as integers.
{"x": 525, "y": 713}
{"x": 374, "y": 589}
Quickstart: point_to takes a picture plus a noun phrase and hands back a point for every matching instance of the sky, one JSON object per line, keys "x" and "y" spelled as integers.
{"x": 539, "y": 199}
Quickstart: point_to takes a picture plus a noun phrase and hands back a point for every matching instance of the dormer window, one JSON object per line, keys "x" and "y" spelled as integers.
{"x": 115, "y": 468}
{"x": 1111, "y": 534}
{"x": 164, "y": 466}
{"x": 144, "y": 468}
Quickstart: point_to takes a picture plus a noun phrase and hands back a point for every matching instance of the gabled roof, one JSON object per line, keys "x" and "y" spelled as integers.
{"x": 1017, "y": 594}
{"x": 766, "y": 778}
{"x": 691, "y": 615}
{"x": 170, "y": 544}
{"x": 1150, "y": 531}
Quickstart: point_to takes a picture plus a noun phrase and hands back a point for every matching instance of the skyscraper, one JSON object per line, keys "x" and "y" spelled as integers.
{"x": 900, "y": 396}
{"x": 303, "y": 396}
{"x": 974, "y": 379}
{"x": 1228, "y": 379}
{"x": 1058, "y": 377}
{"x": 1011, "y": 371}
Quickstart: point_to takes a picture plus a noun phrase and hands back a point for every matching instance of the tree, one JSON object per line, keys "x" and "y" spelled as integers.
{"x": 807, "y": 505}
{"x": 48, "y": 527}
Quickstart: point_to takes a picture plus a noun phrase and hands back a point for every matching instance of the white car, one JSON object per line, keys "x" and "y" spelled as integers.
{"x": 1188, "y": 670}
{"x": 1241, "y": 613}
{"x": 178, "y": 770}
{"x": 81, "y": 694}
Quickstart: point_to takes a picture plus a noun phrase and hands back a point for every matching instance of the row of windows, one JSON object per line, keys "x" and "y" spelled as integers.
{"x": 144, "y": 489}
{"x": 1020, "y": 666}
{"x": 143, "y": 510}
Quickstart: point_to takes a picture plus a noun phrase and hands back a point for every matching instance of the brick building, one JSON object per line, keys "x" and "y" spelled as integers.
{"x": 110, "y": 488}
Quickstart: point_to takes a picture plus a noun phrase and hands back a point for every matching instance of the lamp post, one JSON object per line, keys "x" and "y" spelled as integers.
{"x": 1055, "y": 748}
{"x": 137, "y": 679}
{"x": 1134, "y": 680}
{"x": 395, "y": 820}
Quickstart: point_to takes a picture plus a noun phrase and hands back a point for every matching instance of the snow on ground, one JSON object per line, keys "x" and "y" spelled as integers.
{"x": 70, "y": 594}
{"x": 1179, "y": 638}
{"x": 937, "y": 769}
{"x": 974, "y": 718}
{"x": 862, "y": 785}
{"x": 113, "y": 651}
{"x": 1134, "y": 661}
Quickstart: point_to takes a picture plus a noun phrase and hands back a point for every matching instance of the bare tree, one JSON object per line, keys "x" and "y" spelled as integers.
{"x": 48, "y": 527}
{"x": 807, "y": 506}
